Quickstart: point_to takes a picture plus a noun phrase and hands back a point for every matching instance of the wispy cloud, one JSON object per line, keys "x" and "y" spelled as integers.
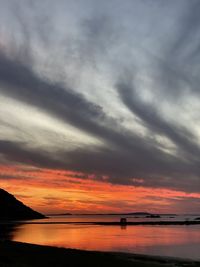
{"x": 133, "y": 96}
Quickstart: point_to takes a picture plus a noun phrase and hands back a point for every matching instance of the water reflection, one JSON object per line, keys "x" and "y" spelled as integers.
{"x": 178, "y": 241}
{"x": 7, "y": 231}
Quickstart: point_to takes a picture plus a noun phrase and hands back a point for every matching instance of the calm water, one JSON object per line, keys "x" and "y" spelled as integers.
{"x": 176, "y": 241}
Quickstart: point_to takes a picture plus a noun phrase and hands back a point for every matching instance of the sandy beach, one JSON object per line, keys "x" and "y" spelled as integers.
{"x": 15, "y": 254}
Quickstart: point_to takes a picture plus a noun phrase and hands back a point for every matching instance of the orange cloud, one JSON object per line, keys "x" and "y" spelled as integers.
{"x": 63, "y": 191}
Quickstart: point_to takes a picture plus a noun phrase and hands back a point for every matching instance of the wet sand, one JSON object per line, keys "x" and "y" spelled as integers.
{"x": 15, "y": 254}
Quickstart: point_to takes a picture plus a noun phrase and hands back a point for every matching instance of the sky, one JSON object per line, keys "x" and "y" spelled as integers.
{"x": 99, "y": 104}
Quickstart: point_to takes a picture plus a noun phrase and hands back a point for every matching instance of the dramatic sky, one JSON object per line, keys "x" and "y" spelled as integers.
{"x": 100, "y": 104}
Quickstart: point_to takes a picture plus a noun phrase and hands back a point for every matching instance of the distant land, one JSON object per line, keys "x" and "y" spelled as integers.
{"x": 59, "y": 214}
{"x": 90, "y": 214}
{"x": 143, "y": 214}
{"x": 122, "y": 214}
{"x": 13, "y": 209}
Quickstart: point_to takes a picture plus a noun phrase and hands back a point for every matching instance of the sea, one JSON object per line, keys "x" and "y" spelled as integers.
{"x": 181, "y": 241}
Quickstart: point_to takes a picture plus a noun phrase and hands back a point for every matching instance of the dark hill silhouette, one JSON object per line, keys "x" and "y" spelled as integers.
{"x": 13, "y": 209}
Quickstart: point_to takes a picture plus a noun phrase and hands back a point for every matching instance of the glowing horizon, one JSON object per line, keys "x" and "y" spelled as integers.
{"x": 57, "y": 191}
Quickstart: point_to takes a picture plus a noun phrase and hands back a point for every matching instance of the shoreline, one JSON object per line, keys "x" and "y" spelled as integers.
{"x": 17, "y": 254}
{"x": 105, "y": 223}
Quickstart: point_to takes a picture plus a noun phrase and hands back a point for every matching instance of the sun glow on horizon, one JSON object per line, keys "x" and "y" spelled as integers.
{"x": 58, "y": 191}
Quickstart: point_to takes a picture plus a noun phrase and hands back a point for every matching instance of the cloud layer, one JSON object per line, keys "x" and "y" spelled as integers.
{"x": 122, "y": 81}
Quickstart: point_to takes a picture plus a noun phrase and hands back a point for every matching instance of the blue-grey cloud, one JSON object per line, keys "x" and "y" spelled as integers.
{"x": 140, "y": 138}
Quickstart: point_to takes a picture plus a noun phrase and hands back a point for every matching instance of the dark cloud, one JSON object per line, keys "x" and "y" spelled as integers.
{"x": 20, "y": 82}
{"x": 120, "y": 166}
{"x": 186, "y": 43}
{"x": 151, "y": 118}
{"x": 19, "y": 153}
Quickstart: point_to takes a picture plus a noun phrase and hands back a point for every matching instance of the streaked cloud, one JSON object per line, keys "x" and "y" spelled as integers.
{"x": 108, "y": 90}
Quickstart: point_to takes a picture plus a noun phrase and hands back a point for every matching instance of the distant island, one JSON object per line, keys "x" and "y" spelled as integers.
{"x": 142, "y": 214}
{"x": 105, "y": 214}
{"x": 59, "y": 214}
{"x": 13, "y": 209}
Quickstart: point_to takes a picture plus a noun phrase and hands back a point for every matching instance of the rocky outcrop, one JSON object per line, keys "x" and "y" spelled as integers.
{"x": 13, "y": 209}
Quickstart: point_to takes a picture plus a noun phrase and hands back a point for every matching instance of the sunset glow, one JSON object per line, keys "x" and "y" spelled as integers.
{"x": 57, "y": 191}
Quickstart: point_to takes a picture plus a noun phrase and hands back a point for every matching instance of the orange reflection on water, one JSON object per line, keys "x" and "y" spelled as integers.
{"x": 135, "y": 239}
